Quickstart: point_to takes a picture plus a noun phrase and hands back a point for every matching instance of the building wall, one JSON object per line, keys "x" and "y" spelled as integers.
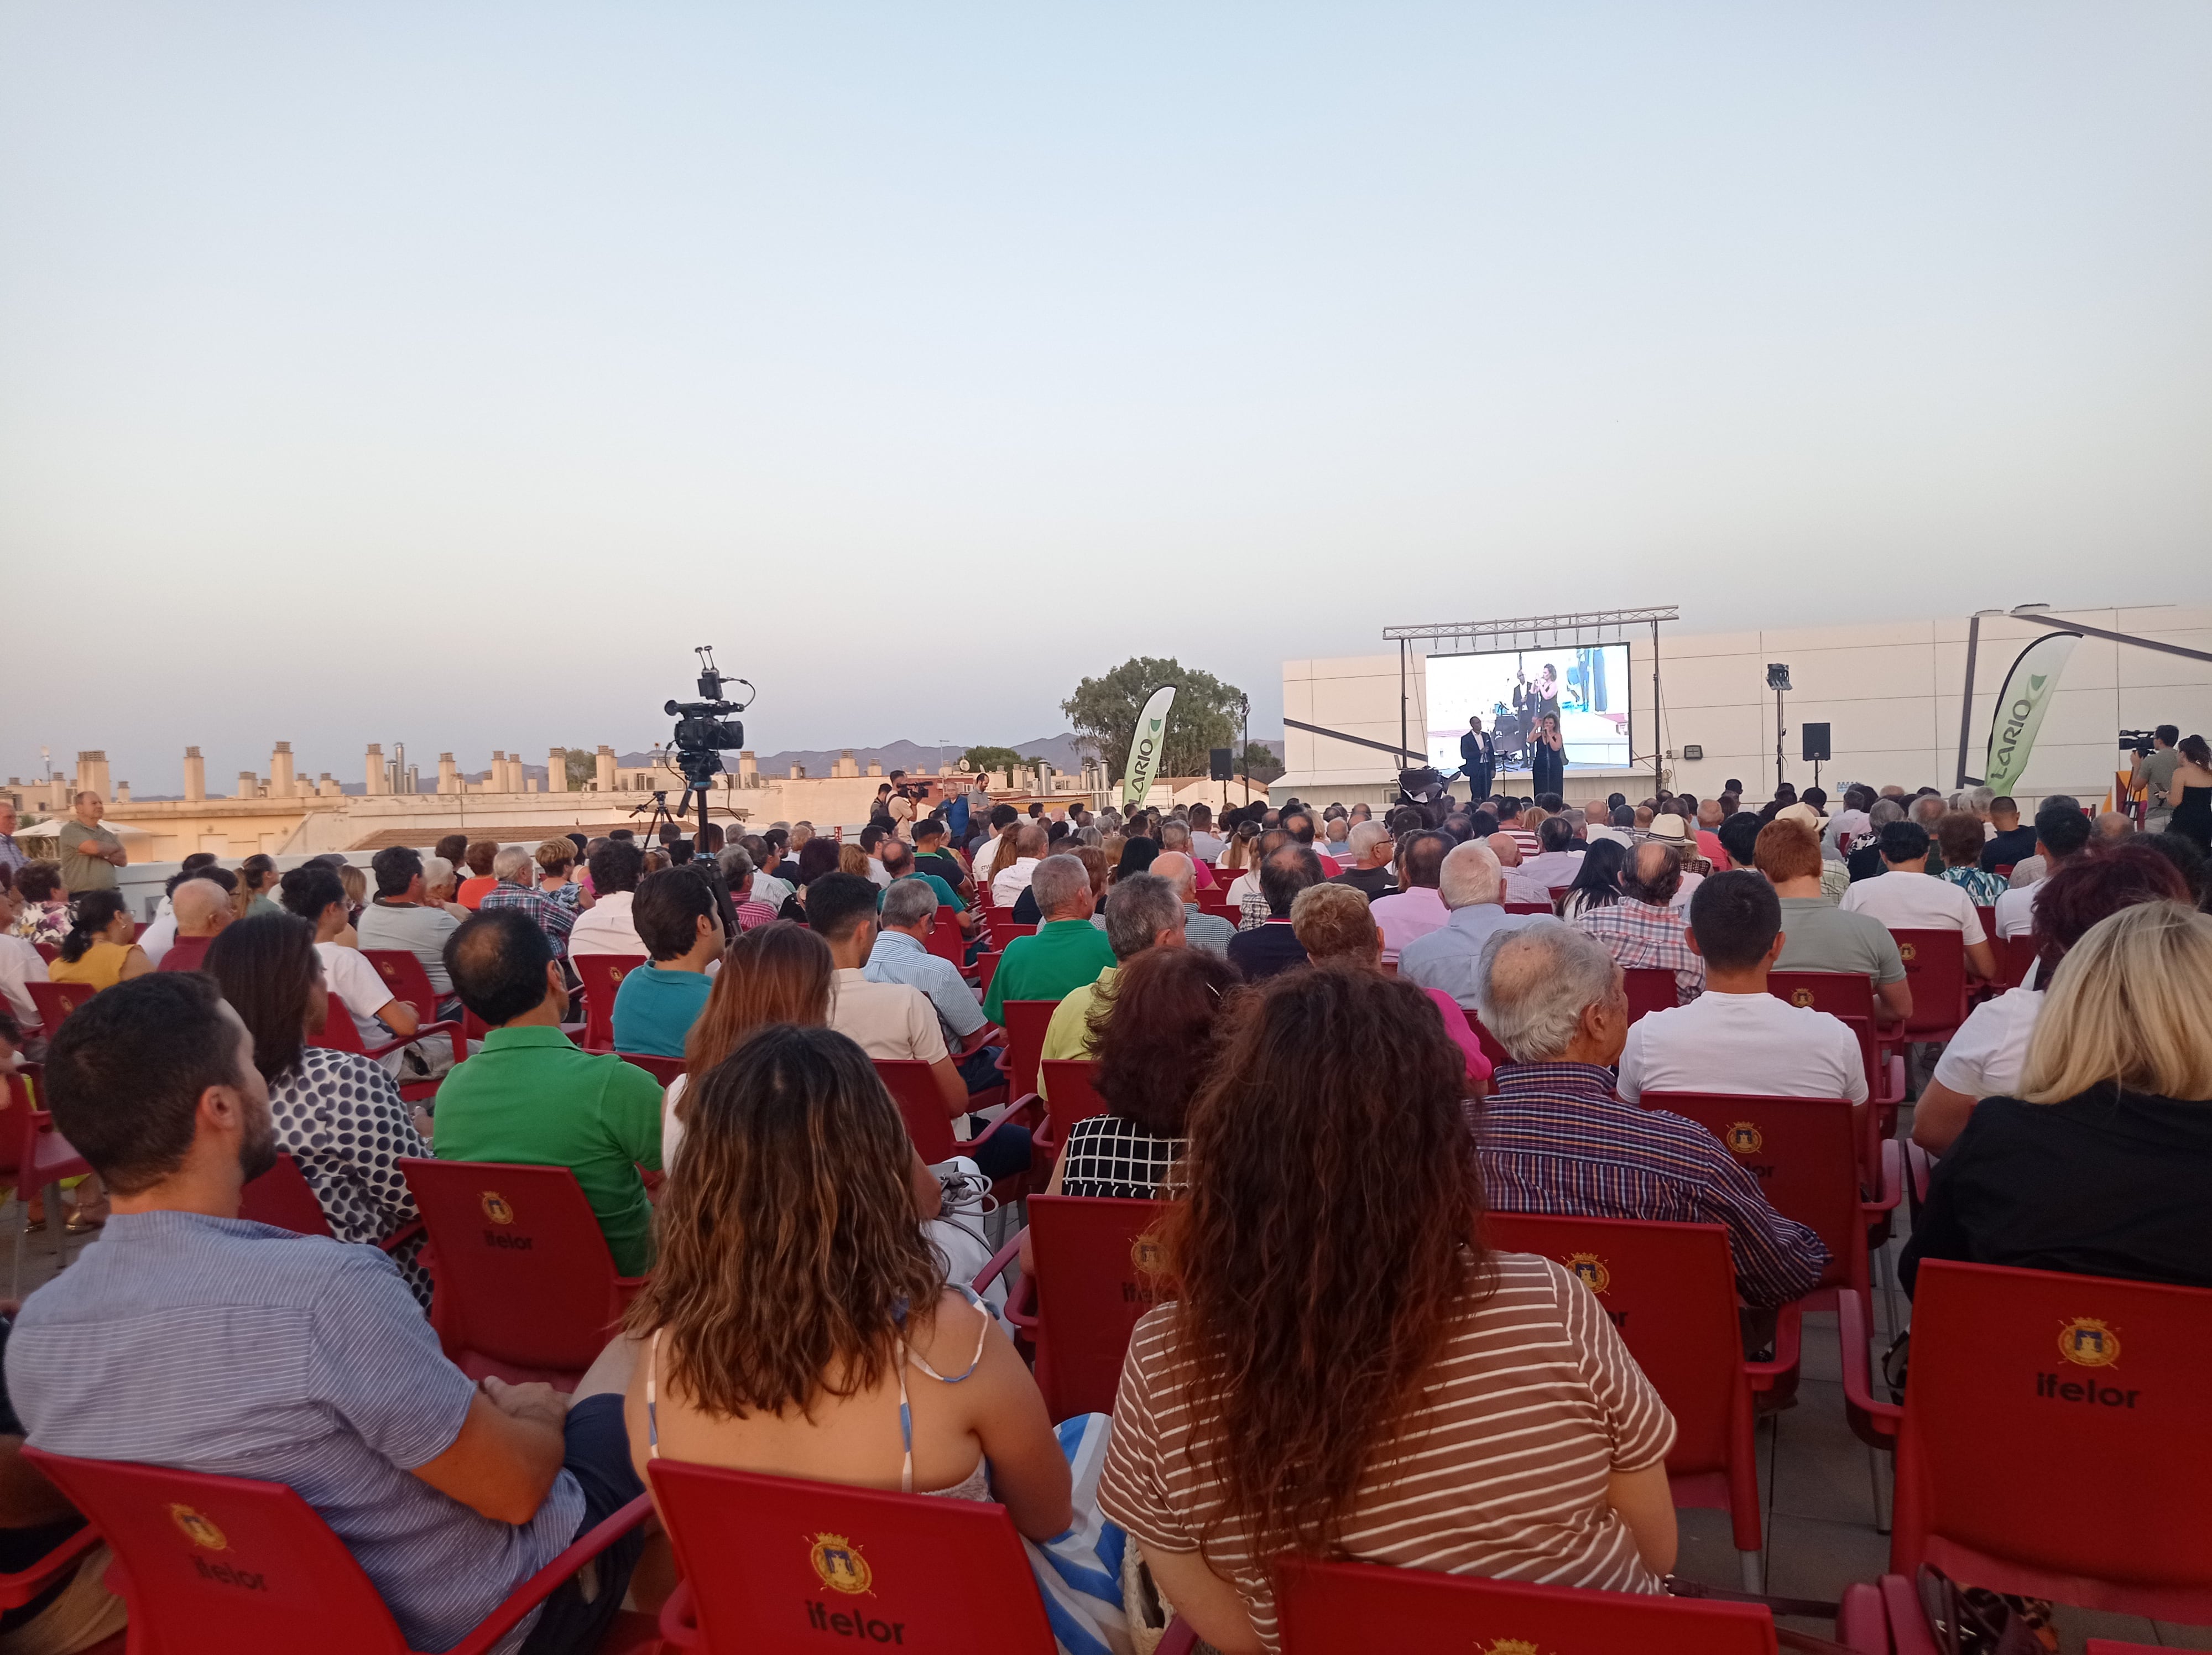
{"x": 1890, "y": 693}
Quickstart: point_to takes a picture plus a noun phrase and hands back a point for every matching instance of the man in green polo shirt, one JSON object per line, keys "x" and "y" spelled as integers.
{"x": 1067, "y": 951}
{"x": 532, "y": 1096}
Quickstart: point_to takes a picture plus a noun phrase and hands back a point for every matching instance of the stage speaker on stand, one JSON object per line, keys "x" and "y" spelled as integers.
{"x": 1221, "y": 765}
{"x": 1816, "y": 747}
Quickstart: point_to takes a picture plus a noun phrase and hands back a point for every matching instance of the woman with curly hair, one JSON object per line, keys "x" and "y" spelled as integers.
{"x": 1347, "y": 1370}
{"x": 798, "y": 1322}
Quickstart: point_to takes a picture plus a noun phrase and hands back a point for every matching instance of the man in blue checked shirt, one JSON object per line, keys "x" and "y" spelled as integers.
{"x": 186, "y": 1336}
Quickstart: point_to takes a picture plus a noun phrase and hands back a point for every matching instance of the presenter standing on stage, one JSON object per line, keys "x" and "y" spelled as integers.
{"x": 1478, "y": 760}
{"x": 1547, "y": 758}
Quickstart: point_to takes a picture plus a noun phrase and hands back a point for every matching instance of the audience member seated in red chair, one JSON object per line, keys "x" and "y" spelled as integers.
{"x": 2101, "y": 1163}
{"x": 878, "y": 1373}
{"x": 680, "y": 923}
{"x": 1147, "y": 913}
{"x": 38, "y": 1527}
{"x": 1471, "y": 883}
{"x": 1985, "y": 1057}
{"x": 1644, "y": 928}
{"x": 401, "y": 916}
{"x": 605, "y": 928}
{"x": 1902, "y": 902}
{"x": 778, "y": 973}
{"x": 1818, "y": 936}
{"x": 338, "y": 1113}
{"x": 20, "y": 965}
{"x": 514, "y": 885}
{"x": 895, "y": 1019}
{"x": 1066, "y": 952}
{"x": 202, "y": 908}
{"x": 317, "y": 894}
{"x": 1343, "y": 1346}
{"x": 1336, "y": 925}
{"x": 1736, "y": 1036}
{"x": 1556, "y": 1137}
{"x": 1272, "y": 947}
{"x": 187, "y": 1337}
{"x": 532, "y": 1096}
{"x": 102, "y": 947}
{"x": 907, "y": 915}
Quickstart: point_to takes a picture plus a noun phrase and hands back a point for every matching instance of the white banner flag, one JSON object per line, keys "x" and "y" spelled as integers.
{"x": 1145, "y": 747}
{"x": 2021, "y": 705}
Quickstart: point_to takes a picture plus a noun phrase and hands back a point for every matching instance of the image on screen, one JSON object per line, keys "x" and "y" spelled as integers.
{"x": 1587, "y": 685}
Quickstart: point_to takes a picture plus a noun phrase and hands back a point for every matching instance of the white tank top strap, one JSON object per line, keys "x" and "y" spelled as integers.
{"x": 651, "y": 1399}
{"x": 975, "y": 1361}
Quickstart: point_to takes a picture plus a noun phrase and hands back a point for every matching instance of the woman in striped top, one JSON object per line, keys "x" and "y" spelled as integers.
{"x": 1348, "y": 1371}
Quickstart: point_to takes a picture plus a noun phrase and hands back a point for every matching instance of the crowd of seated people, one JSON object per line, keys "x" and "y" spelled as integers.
{"x": 1284, "y": 1089}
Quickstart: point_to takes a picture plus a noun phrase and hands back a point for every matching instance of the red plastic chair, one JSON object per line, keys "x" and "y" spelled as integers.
{"x": 55, "y": 1000}
{"x": 1024, "y": 1022}
{"x": 1499, "y": 1056}
{"x": 1650, "y": 988}
{"x": 1092, "y": 1281}
{"x": 2024, "y": 1381}
{"x": 1326, "y": 1609}
{"x": 283, "y": 1198}
{"x": 404, "y": 974}
{"x": 1528, "y": 908}
{"x": 662, "y": 1070}
{"x": 987, "y": 966}
{"x": 47, "y": 951}
{"x": 1936, "y": 970}
{"x": 340, "y": 1033}
{"x": 2106, "y": 1646}
{"x": 1806, "y": 1160}
{"x": 767, "y": 1562}
{"x": 602, "y": 975}
{"x": 2015, "y": 958}
{"x": 1070, "y": 1097}
{"x": 44, "y": 1158}
{"x": 945, "y": 939}
{"x": 1849, "y": 996}
{"x": 913, "y": 1087}
{"x": 212, "y": 1565}
{"x": 526, "y": 1287}
{"x": 1670, "y": 1290}
{"x": 20, "y": 1588}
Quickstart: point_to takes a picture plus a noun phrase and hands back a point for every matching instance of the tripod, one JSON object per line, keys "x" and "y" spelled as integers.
{"x": 676, "y": 818}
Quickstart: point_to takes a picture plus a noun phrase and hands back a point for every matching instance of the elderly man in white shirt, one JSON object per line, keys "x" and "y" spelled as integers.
{"x": 1518, "y": 886}
{"x": 1906, "y": 898}
{"x": 1201, "y": 929}
{"x": 1472, "y": 887}
{"x": 1031, "y": 840}
{"x": 606, "y": 928}
{"x": 1736, "y": 1036}
{"x": 1559, "y": 861}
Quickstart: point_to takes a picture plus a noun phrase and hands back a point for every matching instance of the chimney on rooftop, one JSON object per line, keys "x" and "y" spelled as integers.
{"x": 195, "y": 776}
{"x": 92, "y": 774}
{"x": 249, "y": 785}
{"x": 280, "y": 771}
{"x": 377, "y": 778}
{"x": 556, "y": 771}
{"x": 448, "y": 776}
{"x": 604, "y": 760}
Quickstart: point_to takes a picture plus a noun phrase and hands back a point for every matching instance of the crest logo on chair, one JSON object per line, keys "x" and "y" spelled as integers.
{"x": 1512, "y": 1646}
{"x": 1801, "y": 998}
{"x": 1745, "y": 1138}
{"x": 1590, "y": 1268}
{"x": 198, "y": 1528}
{"x": 1144, "y": 1254}
{"x": 2089, "y": 1342}
{"x": 1908, "y": 951}
{"x": 838, "y": 1563}
{"x": 496, "y": 1207}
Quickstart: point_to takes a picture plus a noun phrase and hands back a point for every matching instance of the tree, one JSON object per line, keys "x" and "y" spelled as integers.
{"x": 1104, "y": 712}
{"x": 995, "y": 759}
{"x": 583, "y": 767}
{"x": 1260, "y": 759}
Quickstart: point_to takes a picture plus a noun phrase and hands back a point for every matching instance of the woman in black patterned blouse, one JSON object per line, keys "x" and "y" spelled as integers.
{"x": 1154, "y": 1038}
{"x": 339, "y": 1115}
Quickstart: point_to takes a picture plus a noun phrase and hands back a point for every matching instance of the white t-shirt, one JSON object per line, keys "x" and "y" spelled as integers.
{"x": 1984, "y": 1058}
{"x": 21, "y": 963}
{"x": 162, "y": 936}
{"x": 1756, "y": 1045}
{"x": 885, "y": 1020}
{"x": 2015, "y": 911}
{"x": 605, "y": 928}
{"x": 1012, "y": 880}
{"x": 881, "y": 878}
{"x": 1207, "y": 846}
{"x": 1915, "y": 901}
{"x": 359, "y": 989}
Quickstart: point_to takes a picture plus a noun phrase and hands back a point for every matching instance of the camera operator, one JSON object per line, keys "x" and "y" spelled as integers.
{"x": 2153, "y": 773}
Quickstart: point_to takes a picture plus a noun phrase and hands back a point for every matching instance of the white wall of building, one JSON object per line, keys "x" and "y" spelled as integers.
{"x": 1890, "y": 694}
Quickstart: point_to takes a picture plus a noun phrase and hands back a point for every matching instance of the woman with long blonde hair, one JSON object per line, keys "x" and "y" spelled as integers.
{"x": 2102, "y": 1164}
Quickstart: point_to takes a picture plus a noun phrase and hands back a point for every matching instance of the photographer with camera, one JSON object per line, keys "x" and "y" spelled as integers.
{"x": 2152, "y": 774}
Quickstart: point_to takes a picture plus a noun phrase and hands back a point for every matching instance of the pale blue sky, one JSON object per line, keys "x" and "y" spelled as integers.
{"x": 443, "y": 372}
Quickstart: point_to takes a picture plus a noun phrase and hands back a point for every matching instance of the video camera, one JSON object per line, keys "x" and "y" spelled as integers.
{"x": 704, "y": 734}
{"x": 2137, "y": 742}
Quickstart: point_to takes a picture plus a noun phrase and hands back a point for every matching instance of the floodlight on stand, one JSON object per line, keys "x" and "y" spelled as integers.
{"x": 1778, "y": 675}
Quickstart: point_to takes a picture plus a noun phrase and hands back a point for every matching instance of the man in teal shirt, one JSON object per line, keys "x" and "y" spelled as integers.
{"x": 680, "y": 924}
{"x": 532, "y": 1096}
{"x": 1067, "y": 950}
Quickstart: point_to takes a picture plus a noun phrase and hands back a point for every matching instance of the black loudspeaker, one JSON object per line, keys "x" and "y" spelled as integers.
{"x": 1220, "y": 767}
{"x": 1816, "y": 741}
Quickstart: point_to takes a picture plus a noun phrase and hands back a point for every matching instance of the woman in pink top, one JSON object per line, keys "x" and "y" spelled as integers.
{"x": 1333, "y": 924}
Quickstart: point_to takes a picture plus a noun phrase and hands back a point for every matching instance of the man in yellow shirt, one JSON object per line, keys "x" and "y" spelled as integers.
{"x": 1142, "y": 911}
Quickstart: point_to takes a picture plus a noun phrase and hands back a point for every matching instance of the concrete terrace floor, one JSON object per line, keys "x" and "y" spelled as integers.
{"x": 1815, "y": 1480}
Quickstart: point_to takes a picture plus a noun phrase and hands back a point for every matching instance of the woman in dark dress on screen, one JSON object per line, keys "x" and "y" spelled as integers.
{"x": 1547, "y": 758}
{"x": 2192, "y": 792}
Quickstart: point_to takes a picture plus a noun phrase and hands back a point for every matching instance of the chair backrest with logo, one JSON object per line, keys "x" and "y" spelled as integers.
{"x": 1670, "y": 1291}
{"x": 1326, "y": 1608}
{"x": 1803, "y": 1155}
{"x": 55, "y": 1000}
{"x": 602, "y": 975}
{"x": 768, "y": 1560}
{"x": 224, "y": 1564}
{"x": 2056, "y": 1433}
{"x": 913, "y": 1087}
{"x": 1094, "y": 1282}
{"x": 1936, "y": 971}
{"x": 1024, "y": 1022}
{"x": 526, "y": 1288}
{"x": 404, "y": 974}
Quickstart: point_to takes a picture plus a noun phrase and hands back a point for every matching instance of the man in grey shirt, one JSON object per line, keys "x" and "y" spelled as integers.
{"x": 2153, "y": 771}
{"x": 1200, "y": 929}
{"x": 906, "y": 912}
{"x": 90, "y": 852}
{"x": 400, "y": 918}
{"x": 1472, "y": 885}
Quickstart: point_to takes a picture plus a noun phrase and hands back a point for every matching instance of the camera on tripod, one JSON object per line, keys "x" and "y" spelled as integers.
{"x": 703, "y": 733}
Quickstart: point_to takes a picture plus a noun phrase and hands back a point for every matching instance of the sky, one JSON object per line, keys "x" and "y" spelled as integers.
{"x": 443, "y": 373}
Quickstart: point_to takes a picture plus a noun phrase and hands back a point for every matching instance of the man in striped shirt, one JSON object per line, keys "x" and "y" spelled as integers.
{"x": 1556, "y": 1139}
{"x": 1643, "y": 929}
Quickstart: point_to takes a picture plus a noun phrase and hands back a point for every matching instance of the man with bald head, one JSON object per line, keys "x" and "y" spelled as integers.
{"x": 1416, "y": 909}
{"x": 1473, "y": 887}
{"x": 1201, "y": 929}
{"x": 202, "y": 908}
{"x": 1518, "y": 886}
{"x": 90, "y": 852}
{"x": 2112, "y": 826}
{"x": 1642, "y": 929}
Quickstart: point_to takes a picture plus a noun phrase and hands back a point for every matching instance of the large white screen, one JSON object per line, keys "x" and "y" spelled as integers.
{"x": 1509, "y": 690}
